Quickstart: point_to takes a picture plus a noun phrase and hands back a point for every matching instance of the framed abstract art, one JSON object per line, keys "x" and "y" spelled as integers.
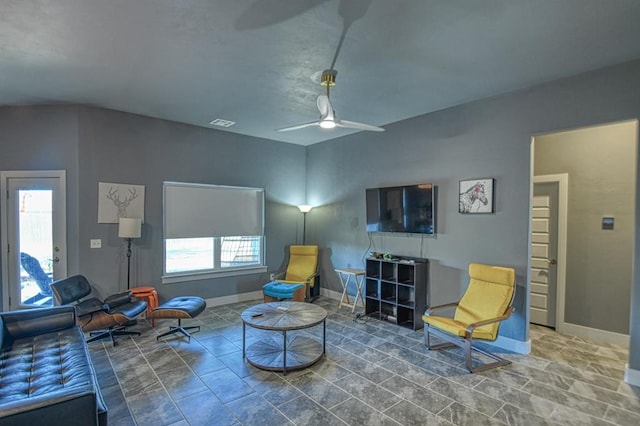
{"x": 476, "y": 196}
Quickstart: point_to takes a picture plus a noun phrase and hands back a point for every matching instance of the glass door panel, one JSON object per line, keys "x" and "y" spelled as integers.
{"x": 35, "y": 244}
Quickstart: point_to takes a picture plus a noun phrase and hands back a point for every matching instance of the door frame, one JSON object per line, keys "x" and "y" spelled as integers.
{"x": 4, "y": 188}
{"x": 561, "y": 266}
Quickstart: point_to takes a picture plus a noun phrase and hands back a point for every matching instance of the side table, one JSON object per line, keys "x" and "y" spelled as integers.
{"x": 357, "y": 277}
{"x": 148, "y": 293}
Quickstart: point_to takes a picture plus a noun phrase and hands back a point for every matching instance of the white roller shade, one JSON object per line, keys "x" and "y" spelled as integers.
{"x": 198, "y": 210}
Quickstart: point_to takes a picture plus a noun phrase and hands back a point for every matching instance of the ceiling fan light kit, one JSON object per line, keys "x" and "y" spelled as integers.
{"x": 327, "y": 124}
{"x": 328, "y": 119}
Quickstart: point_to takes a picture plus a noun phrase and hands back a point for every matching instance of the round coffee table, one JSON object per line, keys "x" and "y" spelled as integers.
{"x": 275, "y": 354}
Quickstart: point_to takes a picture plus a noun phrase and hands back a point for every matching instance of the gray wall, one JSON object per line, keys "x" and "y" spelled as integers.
{"x": 488, "y": 138}
{"x": 441, "y": 148}
{"x": 600, "y": 162}
{"x": 96, "y": 145}
{"x": 44, "y": 138}
{"x": 124, "y": 148}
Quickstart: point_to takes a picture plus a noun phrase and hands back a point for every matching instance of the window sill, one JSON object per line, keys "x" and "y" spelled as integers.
{"x": 196, "y": 276}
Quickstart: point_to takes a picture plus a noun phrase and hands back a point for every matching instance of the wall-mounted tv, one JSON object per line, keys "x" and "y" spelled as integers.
{"x": 409, "y": 209}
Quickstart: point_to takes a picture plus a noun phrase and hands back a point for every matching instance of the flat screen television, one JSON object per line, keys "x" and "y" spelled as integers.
{"x": 408, "y": 209}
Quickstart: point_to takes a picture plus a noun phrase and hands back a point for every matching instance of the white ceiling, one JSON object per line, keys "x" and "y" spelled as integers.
{"x": 257, "y": 62}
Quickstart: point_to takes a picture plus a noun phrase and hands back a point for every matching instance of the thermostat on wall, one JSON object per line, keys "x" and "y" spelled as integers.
{"x": 607, "y": 223}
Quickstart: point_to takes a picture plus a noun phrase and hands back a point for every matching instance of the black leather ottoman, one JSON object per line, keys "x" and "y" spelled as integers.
{"x": 182, "y": 307}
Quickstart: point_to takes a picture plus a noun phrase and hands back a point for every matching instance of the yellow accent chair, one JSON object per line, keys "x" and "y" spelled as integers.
{"x": 301, "y": 275}
{"x": 486, "y": 302}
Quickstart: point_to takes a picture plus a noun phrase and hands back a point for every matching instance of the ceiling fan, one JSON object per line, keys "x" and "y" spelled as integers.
{"x": 328, "y": 119}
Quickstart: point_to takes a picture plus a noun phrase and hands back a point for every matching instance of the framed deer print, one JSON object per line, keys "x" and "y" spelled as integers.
{"x": 475, "y": 196}
{"x": 116, "y": 200}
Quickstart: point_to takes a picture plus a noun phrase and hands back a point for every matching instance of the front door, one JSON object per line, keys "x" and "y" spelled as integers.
{"x": 34, "y": 235}
{"x": 544, "y": 247}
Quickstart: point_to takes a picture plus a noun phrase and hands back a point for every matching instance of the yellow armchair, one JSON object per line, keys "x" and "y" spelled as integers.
{"x": 486, "y": 302}
{"x": 302, "y": 268}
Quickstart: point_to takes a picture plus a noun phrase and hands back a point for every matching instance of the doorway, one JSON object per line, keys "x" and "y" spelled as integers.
{"x": 599, "y": 230}
{"x": 33, "y": 236}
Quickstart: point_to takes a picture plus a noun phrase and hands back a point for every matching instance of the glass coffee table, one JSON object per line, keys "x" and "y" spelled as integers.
{"x": 279, "y": 354}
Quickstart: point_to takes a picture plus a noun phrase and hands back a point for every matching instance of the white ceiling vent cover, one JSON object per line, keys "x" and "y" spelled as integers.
{"x": 222, "y": 123}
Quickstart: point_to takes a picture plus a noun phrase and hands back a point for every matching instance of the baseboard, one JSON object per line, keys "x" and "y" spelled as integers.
{"x": 512, "y": 345}
{"x": 253, "y": 295}
{"x": 601, "y": 336}
{"x": 631, "y": 376}
{"x": 331, "y": 294}
{"x": 234, "y": 298}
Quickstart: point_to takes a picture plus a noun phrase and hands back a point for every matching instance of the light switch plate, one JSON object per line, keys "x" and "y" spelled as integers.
{"x": 96, "y": 243}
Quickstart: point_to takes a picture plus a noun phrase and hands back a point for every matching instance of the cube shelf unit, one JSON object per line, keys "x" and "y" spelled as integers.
{"x": 396, "y": 290}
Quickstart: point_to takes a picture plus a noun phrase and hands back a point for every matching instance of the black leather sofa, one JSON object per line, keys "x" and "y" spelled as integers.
{"x": 46, "y": 373}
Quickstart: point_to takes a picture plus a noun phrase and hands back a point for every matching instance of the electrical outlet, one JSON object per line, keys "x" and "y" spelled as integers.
{"x": 96, "y": 243}
{"x": 272, "y": 277}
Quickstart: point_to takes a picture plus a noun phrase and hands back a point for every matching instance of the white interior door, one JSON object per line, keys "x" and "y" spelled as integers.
{"x": 34, "y": 237}
{"x": 544, "y": 248}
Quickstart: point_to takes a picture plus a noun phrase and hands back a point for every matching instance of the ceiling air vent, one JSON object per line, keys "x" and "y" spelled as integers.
{"x": 222, "y": 123}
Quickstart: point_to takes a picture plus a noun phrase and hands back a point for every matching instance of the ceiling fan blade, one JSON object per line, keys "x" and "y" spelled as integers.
{"x": 298, "y": 126}
{"x": 360, "y": 126}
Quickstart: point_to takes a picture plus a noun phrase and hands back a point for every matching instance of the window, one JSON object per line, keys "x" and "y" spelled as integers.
{"x": 188, "y": 254}
{"x": 240, "y": 251}
{"x": 211, "y": 230}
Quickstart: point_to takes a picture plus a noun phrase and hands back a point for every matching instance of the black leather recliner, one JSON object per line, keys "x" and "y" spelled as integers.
{"x": 101, "y": 319}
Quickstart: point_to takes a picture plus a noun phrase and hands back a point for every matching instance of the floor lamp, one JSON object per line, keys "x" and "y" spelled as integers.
{"x": 304, "y": 208}
{"x": 129, "y": 228}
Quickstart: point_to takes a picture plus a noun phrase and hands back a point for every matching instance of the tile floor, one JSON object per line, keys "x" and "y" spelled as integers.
{"x": 374, "y": 373}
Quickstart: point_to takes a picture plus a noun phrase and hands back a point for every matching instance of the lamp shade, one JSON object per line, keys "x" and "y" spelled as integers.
{"x": 129, "y": 227}
{"x": 305, "y": 208}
